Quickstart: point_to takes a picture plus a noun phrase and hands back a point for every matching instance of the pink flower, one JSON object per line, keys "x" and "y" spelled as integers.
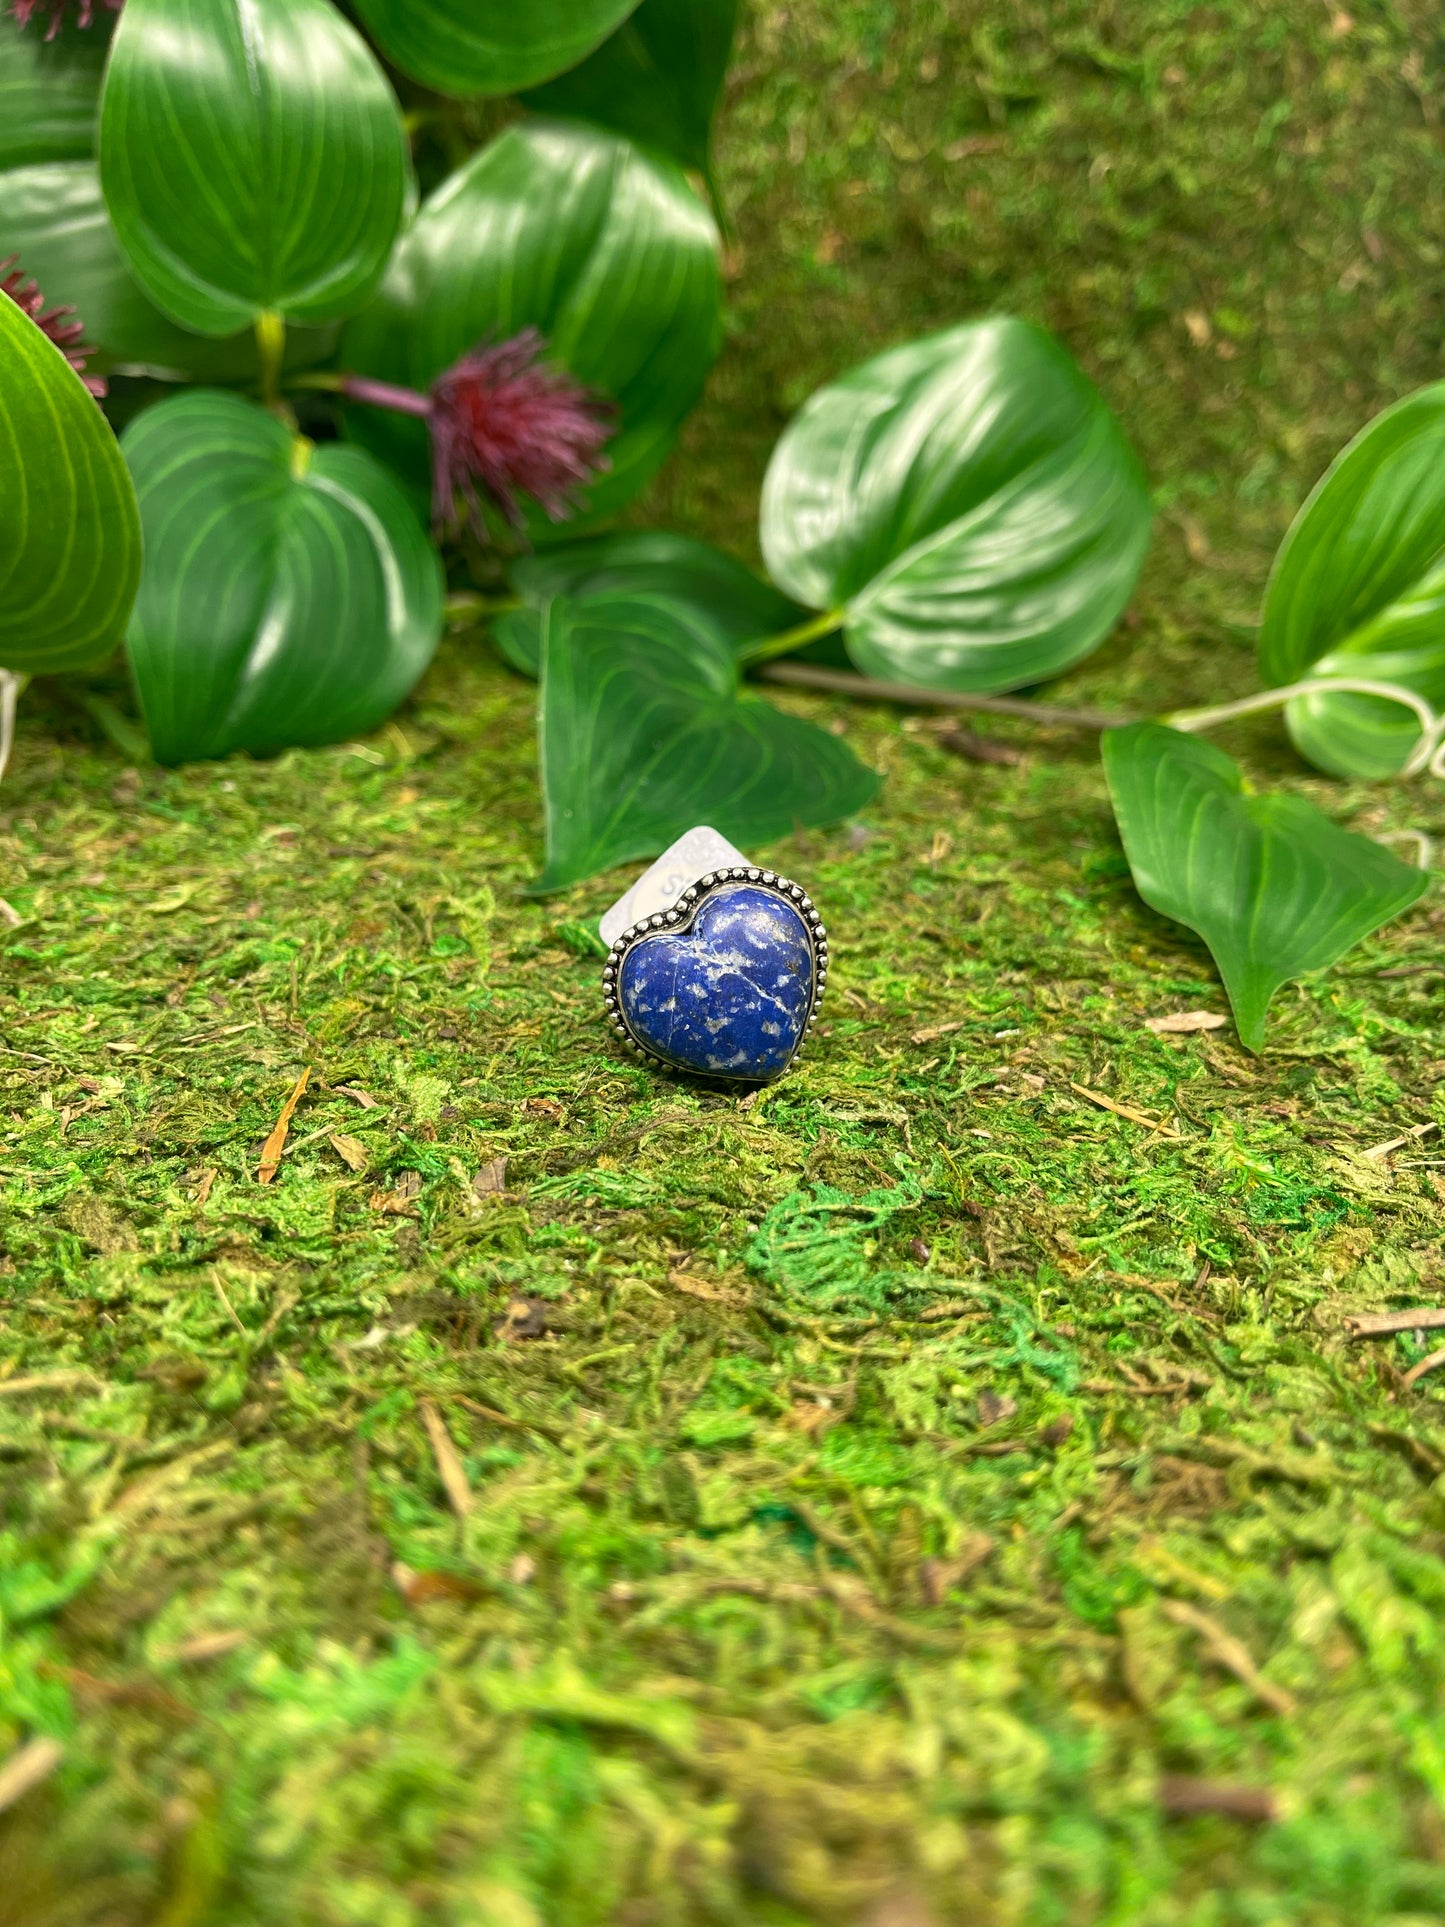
{"x": 54, "y": 323}
{"x": 26, "y": 10}
{"x": 503, "y": 425}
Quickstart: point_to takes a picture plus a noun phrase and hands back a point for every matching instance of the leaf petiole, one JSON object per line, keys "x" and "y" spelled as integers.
{"x": 767, "y": 647}
{"x": 1426, "y": 755}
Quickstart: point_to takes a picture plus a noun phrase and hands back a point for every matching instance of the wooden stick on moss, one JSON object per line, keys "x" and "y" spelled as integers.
{"x": 806, "y": 675}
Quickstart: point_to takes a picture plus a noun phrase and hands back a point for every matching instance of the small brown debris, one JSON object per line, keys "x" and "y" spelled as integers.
{"x": 1181, "y": 1795}
{"x": 9, "y": 914}
{"x": 523, "y": 1569}
{"x": 1380, "y": 1324}
{"x": 274, "y": 1149}
{"x": 920, "y": 1251}
{"x": 1124, "y": 1110}
{"x": 27, "y": 1768}
{"x": 450, "y": 1469}
{"x": 704, "y": 1288}
{"x": 547, "y": 1107}
{"x": 1197, "y": 326}
{"x": 204, "y": 1182}
{"x": 417, "y": 1588}
{"x": 975, "y": 748}
{"x": 358, "y": 1096}
{"x": 937, "y": 1576}
{"x": 352, "y": 1152}
{"x": 205, "y": 1646}
{"x": 993, "y": 1407}
{"x": 491, "y": 1179}
{"x": 1058, "y": 1429}
{"x": 905, "y": 1908}
{"x": 934, "y": 1031}
{"x": 400, "y": 1201}
{"x": 1183, "y": 1023}
{"x": 523, "y": 1318}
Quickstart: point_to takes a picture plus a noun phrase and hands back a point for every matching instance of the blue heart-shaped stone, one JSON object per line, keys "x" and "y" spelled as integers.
{"x": 730, "y": 995}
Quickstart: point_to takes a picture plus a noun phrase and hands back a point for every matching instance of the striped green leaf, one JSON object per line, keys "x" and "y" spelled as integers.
{"x": 467, "y": 47}
{"x": 70, "y": 538}
{"x": 967, "y": 504}
{"x": 1358, "y": 590}
{"x": 53, "y": 215}
{"x": 644, "y": 733}
{"x": 1273, "y": 887}
{"x": 290, "y": 595}
{"x": 49, "y": 92}
{"x": 657, "y": 79}
{"x": 570, "y": 230}
{"x": 253, "y": 158}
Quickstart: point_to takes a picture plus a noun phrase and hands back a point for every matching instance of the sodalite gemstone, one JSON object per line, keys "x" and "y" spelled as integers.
{"x": 728, "y": 997}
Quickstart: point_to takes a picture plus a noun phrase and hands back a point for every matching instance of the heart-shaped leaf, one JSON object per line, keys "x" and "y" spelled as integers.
{"x": 489, "y": 46}
{"x": 736, "y": 605}
{"x": 571, "y": 231}
{"x": 70, "y": 538}
{"x": 1358, "y": 589}
{"x": 290, "y": 595}
{"x": 49, "y": 92}
{"x": 1272, "y": 886}
{"x": 967, "y": 503}
{"x": 657, "y": 79}
{"x": 53, "y": 216}
{"x": 253, "y": 158}
{"x": 644, "y": 734}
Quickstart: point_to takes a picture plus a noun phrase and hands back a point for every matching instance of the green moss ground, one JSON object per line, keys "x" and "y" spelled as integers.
{"x": 916, "y": 1463}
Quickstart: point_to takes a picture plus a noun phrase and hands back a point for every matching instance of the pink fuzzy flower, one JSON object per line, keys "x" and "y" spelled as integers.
{"x": 54, "y": 323}
{"x": 504, "y": 425}
{"x": 26, "y": 10}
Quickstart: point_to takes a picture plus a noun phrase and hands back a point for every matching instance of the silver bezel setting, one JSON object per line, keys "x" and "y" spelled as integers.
{"x": 680, "y": 918}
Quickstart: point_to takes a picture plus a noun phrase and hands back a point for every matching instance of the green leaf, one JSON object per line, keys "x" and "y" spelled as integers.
{"x": 1271, "y": 885}
{"x": 715, "y": 588}
{"x": 467, "y": 47}
{"x": 967, "y": 502}
{"x": 643, "y": 734}
{"x": 49, "y": 90}
{"x": 70, "y": 537}
{"x": 1358, "y": 589}
{"x": 290, "y": 595}
{"x": 574, "y": 232}
{"x": 253, "y": 157}
{"x": 657, "y": 79}
{"x": 54, "y": 217}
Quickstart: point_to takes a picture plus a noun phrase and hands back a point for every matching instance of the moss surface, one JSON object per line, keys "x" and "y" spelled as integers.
{"x": 564, "y": 1497}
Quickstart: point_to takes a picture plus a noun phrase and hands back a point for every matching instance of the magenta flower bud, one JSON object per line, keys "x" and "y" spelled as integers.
{"x": 504, "y": 425}
{"x": 54, "y": 323}
{"x": 55, "y": 11}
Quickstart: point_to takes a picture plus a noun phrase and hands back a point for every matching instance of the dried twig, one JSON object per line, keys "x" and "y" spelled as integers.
{"x": 1398, "y": 1143}
{"x": 273, "y": 1150}
{"x": 1125, "y": 1110}
{"x": 450, "y": 1469}
{"x": 27, "y": 1768}
{"x": 1179, "y": 1794}
{"x": 1417, "y": 1372}
{"x": 1231, "y": 1653}
{"x": 1380, "y": 1324}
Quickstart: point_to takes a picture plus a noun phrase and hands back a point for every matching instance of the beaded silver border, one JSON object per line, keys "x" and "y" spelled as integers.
{"x": 680, "y": 917}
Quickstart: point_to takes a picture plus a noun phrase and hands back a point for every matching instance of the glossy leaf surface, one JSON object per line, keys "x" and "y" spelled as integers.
{"x": 466, "y": 47}
{"x": 1272, "y": 886}
{"x": 54, "y": 217}
{"x": 49, "y": 92}
{"x": 643, "y": 734}
{"x": 718, "y": 591}
{"x": 1358, "y": 589}
{"x": 253, "y": 158}
{"x": 574, "y": 232}
{"x": 657, "y": 79}
{"x": 290, "y": 595}
{"x": 70, "y": 538}
{"x": 967, "y": 502}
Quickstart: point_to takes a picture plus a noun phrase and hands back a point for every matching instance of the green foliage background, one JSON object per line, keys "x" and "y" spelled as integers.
{"x": 752, "y": 1618}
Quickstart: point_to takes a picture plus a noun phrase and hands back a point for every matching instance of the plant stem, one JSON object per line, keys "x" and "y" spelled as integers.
{"x": 1432, "y": 726}
{"x": 10, "y": 688}
{"x": 465, "y": 603}
{"x": 271, "y": 348}
{"x": 769, "y": 646}
{"x": 806, "y": 675}
{"x": 132, "y": 742}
